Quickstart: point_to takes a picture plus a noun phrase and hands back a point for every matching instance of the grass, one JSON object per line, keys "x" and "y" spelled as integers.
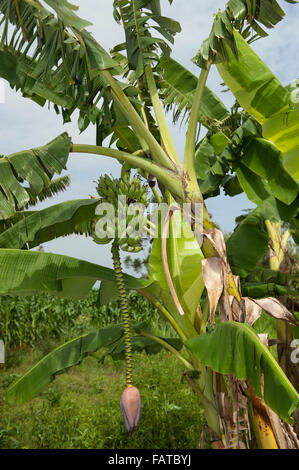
{"x": 81, "y": 409}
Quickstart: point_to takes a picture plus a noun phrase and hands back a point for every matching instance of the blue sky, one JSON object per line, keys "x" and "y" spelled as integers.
{"x": 25, "y": 125}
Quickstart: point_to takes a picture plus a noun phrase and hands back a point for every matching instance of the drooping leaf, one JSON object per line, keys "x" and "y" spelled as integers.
{"x": 234, "y": 348}
{"x": 259, "y": 290}
{"x": 73, "y": 352}
{"x": 58, "y": 66}
{"x": 18, "y": 70}
{"x": 52, "y": 189}
{"x": 98, "y": 58}
{"x": 141, "y": 343}
{"x": 36, "y": 167}
{"x": 262, "y": 95}
{"x": 244, "y": 15}
{"x": 63, "y": 357}
{"x": 255, "y": 187}
{"x": 31, "y": 272}
{"x": 276, "y": 309}
{"x": 178, "y": 88}
{"x": 45, "y": 225}
{"x": 213, "y": 279}
{"x": 249, "y": 241}
{"x": 247, "y": 245}
{"x": 66, "y": 13}
{"x": 264, "y": 159}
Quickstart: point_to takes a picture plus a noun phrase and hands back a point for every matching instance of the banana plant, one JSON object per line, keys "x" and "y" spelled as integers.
{"x": 50, "y": 56}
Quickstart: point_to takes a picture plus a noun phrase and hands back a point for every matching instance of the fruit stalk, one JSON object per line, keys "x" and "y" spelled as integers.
{"x": 124, "y": 310}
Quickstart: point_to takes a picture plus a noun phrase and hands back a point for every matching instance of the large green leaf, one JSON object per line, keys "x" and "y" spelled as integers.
{"x": 74, "y": 351}
{"x": 249, "y": 241}
{"x": 184, "y": 260}
{"x": 247, "y": 245}
{"x": 45, "y": 225}
{"x": 260, "y": 290}
{"x": 265, "y": 159}
{"x": 255, "y": 187}
{"x": 141, "y": 343}
{"x": 63, "y": 357}
{"x": 66, "y": 13}
{"x": 234, "y": 348}
{"x": 179, "y": 91}
{"x": 98, "y": 58}
{"x": 255, "y": 87}
{"x": 262, "y": 95}
{"x": 36, "y": 166}
{"x": 30, "y": 272}
{"x": 18, "y": 70}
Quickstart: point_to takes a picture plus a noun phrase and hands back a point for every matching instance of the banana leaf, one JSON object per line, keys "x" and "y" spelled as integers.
{"x": 185, "y": 263}
{"x": 18, "y": 70}
{"x": 42, "y": 226}
{"x": 179, "y": 92}
{"x": 264, "y": 159}
{"x": 249, "y": 241}
{"x": 65, "y": 12}
{"x": 36, "y": 166}
{"x": 140, "y": 18}
{"x": 73, "y": 352}
{"x": 30, "y": 272}
{"x": 234, "y": 348}
{"x": 262, "y": 95}
{"x": 63, "y": 357}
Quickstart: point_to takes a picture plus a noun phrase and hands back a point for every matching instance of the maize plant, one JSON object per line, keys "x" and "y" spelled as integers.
{"x": 198, "y": 281}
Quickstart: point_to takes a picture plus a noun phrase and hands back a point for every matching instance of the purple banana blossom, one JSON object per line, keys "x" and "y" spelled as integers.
{"x": 130, "y": 406}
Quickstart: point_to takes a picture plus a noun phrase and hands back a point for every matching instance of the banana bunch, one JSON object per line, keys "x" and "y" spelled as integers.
{"x": 127, "y": 199}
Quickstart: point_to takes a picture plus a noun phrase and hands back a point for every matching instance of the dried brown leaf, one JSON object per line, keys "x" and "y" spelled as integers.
{"x": 252, "y": 311}
{"x": 212, "y": 272}
{"x": 276, "y": 309}
{"x": 217, "y": 239}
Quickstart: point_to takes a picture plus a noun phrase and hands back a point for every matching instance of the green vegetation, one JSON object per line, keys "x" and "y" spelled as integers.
{"x": 25, "y": 321}
{"x": 80, "y": 409}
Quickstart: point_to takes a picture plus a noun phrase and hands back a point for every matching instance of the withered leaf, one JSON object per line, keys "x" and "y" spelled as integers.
{"x": 213, "y": 279}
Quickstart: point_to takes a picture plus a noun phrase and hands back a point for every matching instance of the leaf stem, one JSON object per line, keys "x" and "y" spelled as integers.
{"x": 137, "y": 123}
{"x": 168, "y": 178}
{"x": 165, "y": 263}
{"x": 169, "y": 347}
{"x": 164, "y": 312}
{"x": 160, "y": 116}
{"x": 189, "y": 157}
